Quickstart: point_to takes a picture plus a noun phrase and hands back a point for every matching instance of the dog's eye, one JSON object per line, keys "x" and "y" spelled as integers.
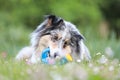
{"x": 66, "y": 43}
{"x": 54, "y": 38}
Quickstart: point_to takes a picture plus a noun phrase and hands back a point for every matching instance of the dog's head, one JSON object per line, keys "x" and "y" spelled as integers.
{"x": 63, "y": 42}
{"x": 64, "y": 37}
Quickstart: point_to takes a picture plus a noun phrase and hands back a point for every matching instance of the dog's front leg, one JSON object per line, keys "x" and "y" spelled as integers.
{"x": 34, "y": 59}
{"x": 36, "y": 56}
{"x": 24, "y": 53}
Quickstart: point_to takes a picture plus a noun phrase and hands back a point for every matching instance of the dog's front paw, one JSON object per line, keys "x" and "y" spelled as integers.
{"x": 24, "y": 53}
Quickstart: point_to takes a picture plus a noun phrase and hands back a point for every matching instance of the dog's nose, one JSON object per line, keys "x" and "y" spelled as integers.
{"x": 55, "y": 55}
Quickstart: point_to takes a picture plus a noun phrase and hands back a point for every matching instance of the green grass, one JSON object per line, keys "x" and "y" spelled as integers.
{"x": 14, "y": 37}
{"x": 11, "y": 70}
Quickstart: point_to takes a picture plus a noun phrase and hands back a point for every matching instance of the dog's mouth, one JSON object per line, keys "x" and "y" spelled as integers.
{"x": 54, "y": 56}
{"x": 48, "y": 59}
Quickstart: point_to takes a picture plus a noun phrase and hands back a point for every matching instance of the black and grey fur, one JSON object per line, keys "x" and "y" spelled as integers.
{"x": 50, "y": 28}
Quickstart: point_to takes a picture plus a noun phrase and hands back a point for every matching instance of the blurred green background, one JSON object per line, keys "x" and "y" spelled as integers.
{"x": 97, "y": 20}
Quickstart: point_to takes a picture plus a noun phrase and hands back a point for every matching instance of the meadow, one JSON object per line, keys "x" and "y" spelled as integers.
{"x": 18, "y": 18}
{"x": 104, "y": 64}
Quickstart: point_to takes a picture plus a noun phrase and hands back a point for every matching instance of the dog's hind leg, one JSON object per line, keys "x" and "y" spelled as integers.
{"x": 24, "y": 53}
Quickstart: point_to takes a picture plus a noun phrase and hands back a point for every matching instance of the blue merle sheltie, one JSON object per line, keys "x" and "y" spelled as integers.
{"x": 60, "y": 36}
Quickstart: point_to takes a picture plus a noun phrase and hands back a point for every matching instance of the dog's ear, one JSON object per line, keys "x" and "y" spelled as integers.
{"x": 53, "y": 20}
{"x": 79, "y": 37}
{"x": 50, "y": 19}
{"x": 76, "y": 38}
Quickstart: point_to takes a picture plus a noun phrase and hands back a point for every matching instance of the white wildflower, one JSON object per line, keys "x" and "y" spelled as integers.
{"x": 109, "y": 52}
{"x": 80, "y": 73}
{"x": 96, "y": 70}
{"x": 56, "y": 76}
{"x": 111, "y": 68}
{"x": 90, "y": 65}
{"x": 115, "y": 62}
{"x": 103, "y": 59}
{"x": 78, "y": 60}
